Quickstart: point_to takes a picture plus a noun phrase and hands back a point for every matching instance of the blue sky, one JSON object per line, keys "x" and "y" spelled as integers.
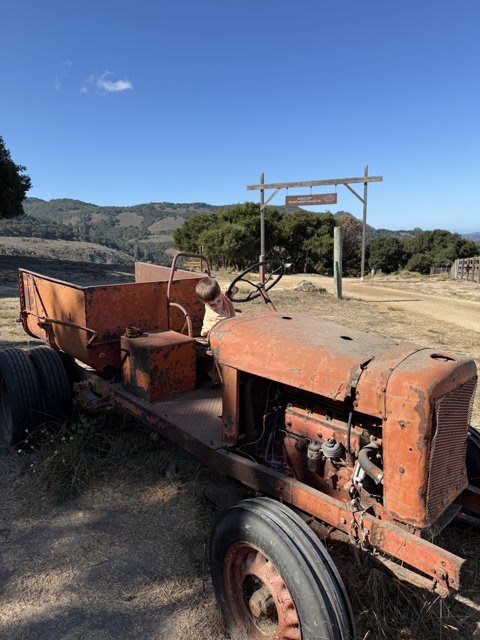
{"x": 119, "y": 103}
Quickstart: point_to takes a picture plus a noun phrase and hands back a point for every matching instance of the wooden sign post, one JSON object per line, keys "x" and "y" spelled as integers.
{"x": 293, "y": 201}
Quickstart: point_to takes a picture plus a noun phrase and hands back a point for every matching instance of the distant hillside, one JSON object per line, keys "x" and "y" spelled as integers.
{"x": 472, "y": 236}
{"x": 75, "y": 212}
{"x": 62, "y": 250}
{"x": 145, "y": 231}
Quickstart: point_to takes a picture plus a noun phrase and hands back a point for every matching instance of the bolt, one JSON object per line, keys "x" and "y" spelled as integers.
{"x": 343, "y": 521}
{"x": 401, "y": 470}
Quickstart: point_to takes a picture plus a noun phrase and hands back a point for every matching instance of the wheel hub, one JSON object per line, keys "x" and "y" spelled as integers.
{"x": 261, "y": 603}
{"x": 259, "y": 597}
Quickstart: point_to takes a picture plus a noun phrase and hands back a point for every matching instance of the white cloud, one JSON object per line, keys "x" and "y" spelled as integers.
{"x": 108, "y": 86}
{"x": 105, "y": 84}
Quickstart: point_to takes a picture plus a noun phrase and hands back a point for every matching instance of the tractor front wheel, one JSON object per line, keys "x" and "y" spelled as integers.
{"x": 273, "y": 578}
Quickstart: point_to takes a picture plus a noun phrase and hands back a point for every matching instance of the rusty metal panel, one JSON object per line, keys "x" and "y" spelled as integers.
{"x": 158, "y": 364}
{"x": 87, "y": 322}
{"x": 231, "y": 404}
{"x": 413, "y": 390}
{"x": 183, "y": 292}
{"x": 370, "y": 394}
{"x": 44, "y": 300}
{"x": 112, "y": 308}
{"x": 308, "y": 353}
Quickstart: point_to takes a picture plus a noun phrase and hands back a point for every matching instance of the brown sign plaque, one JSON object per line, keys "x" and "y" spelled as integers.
{"x": 309, "y": 200}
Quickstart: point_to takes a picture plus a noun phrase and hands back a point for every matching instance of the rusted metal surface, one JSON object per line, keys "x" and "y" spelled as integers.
{"x": 231, "y": 404}
{"x": 89, "y": 401}
{"x": 399, "y": 384}
{"x": 258, "y": 597}
{"x": 87, "y": 322}
{"x": 442, "y": 567}
{"x": 328, "y": 476}
{"x": 181, "y": 291}
{"x": 413, "y": 390}
{"x": 374, "y": 561}
{"x": 158, "y": 364}
{"x": 308, "y": 353}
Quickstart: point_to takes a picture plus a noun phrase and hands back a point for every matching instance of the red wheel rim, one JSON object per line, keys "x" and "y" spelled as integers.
{"x": 258, "y": 597}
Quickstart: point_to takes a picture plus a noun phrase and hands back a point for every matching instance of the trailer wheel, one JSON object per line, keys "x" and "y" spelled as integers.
{"x": 273, "y": 578}
{"x": 54, "y": 385}
{"x": 473, "y": 456}
{"x": 19, "y": 396}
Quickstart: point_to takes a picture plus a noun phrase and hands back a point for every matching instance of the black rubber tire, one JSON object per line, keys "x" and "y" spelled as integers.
{"x": 54, "y": 384}
{"x": 473, "y": 457}
{"x": 320, "y": 599}
{"x": 20, "y": 404}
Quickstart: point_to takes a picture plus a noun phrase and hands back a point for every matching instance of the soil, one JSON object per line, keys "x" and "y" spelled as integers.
{"x": 128, "y": 557}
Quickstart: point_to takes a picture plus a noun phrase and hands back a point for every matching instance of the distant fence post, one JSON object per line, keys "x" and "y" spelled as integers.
{"x": 337, "y": 262}
{"x": 467, "y": 269}
{"x": 454, "y": 269}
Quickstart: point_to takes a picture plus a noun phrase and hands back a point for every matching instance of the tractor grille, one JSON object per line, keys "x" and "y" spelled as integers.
{"x": 447, "y": 474}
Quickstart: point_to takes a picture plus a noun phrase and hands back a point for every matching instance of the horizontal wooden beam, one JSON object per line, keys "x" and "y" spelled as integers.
{"x": 313, "y": 183}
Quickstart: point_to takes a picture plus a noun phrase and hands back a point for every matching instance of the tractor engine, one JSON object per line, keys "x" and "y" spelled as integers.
{"x": 351, "y": 414}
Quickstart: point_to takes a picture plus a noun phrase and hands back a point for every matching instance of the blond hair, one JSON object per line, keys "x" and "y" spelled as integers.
{"x": 207, "y": 289}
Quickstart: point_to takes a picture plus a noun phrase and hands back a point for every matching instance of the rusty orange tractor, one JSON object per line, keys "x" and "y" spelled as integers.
{"x": 339, "y": 433}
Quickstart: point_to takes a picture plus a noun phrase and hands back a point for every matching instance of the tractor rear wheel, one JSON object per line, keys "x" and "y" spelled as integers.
{"x": 54, "y": 384}
{"x": 274, "y": 579}
{"x": 20, "y": 405}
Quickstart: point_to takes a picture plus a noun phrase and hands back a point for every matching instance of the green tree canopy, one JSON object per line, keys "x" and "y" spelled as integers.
{"x": 14, "y": 184}
{"x": 385, "y": 254}
{"x": 441, "y": 247}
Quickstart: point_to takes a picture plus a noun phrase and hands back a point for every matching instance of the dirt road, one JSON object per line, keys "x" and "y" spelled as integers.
{"x": 454, "y": 302}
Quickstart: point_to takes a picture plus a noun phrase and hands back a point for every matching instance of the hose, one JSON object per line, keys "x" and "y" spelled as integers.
{"x": 367, "y": 465}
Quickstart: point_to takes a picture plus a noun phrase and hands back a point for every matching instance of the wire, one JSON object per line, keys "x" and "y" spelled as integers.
{"x": 248, "y": 444}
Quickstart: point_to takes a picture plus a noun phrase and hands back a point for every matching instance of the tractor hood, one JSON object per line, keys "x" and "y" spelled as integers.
{"x": 300, "y": 351}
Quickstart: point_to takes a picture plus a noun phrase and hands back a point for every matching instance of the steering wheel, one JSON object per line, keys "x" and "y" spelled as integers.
{"x": 274, "y": 270}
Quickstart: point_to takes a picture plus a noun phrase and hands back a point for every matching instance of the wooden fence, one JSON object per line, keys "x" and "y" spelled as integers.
{"x": 467, "y": 269}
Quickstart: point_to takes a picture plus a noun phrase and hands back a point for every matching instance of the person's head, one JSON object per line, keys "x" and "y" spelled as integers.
{"x": 209, "y": 292}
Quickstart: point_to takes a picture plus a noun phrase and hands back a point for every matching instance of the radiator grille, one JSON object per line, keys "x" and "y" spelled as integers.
{"x": 447, "y": 474}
